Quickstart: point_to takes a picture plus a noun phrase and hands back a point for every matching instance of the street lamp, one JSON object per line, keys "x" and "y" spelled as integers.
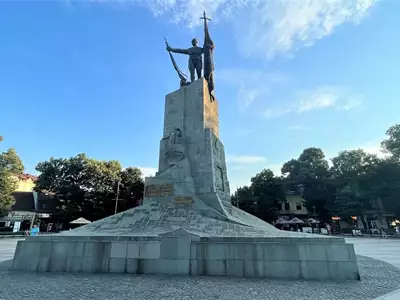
{"x": 116, "y": 199}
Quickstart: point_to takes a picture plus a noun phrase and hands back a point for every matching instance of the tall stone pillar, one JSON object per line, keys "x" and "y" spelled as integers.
{"x": 192, "y": 158}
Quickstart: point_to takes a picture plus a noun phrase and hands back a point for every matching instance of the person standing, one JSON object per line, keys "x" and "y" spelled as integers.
{"x": 328, "y": 228}
{"x": 34, "y": 230}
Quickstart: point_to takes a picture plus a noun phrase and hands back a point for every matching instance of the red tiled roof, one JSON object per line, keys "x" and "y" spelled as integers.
{"x": 25, "y": 176}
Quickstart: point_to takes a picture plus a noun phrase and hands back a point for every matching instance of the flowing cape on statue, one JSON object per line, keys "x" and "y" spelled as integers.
{"x": 208, "y": 60}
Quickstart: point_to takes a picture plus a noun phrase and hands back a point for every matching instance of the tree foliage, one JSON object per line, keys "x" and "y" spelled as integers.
{"x": 87, "y": 187}
{"x": 392, "y": 144}
{"x": 309, "y": 176}
{"x": 10, "y": 166}
{"x": 263, "y": 197}
{"x": 353, "y": 184}
{"x": 10, "y": 162}
{"x": 351, "y": 172}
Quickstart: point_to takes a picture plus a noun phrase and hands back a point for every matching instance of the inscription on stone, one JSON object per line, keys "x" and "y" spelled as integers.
{"x": 159, "y": 190}
{"x": 166, "y": 190}
{"x": 183, "y": 200}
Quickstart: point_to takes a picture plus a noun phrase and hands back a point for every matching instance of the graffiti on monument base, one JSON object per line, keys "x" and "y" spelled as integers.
{"x": 159, "y": 190}
{"x": 183, "y": 200}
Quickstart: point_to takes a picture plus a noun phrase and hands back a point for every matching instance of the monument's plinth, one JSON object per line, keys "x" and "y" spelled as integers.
{"x": 187, "y": 224}
{"x": 165, "y": 239}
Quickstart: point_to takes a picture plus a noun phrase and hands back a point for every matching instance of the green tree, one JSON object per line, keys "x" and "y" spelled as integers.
{"x": 309, "y": 176}
{"x": 263, "y": 197}
{"x": 268, "y": 194}
{"x": 131, "y": 188}
{"x": 11, "y": 162}
{"x": 244, "y": 199}
{"x": 69, "y": 181}
{"x": 87, "y": 187}
{"x": 392, "y": 144}
{"x": 382, "y": 185}
{"x": 352, "y": 174}
{"x": 10, "y": 166}
{"x": 1, "y": 138}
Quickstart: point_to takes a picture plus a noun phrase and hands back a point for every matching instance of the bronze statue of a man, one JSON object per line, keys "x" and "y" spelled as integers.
{"x": 195, "y": 58}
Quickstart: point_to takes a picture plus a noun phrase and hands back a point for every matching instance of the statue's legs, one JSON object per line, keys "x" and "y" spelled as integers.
{"x": 197, "y": 65}
{"x": 198, "y": 71}
{"x": 192, "y": 75}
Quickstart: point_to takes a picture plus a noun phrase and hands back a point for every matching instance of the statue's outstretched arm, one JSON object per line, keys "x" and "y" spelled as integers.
{"x": 177, "y": 50}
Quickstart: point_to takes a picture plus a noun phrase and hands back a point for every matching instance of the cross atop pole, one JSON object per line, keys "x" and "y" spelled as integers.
{"x": 204, "y": 17}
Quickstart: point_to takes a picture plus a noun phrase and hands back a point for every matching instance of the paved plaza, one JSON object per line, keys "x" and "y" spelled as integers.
{"x": 378, "y": 278}
{"x": 7, "y": 249}
{"x": 383, "y": 249}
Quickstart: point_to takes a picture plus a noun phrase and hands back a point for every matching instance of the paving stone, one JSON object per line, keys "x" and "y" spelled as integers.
{"x": 378, "y": 278}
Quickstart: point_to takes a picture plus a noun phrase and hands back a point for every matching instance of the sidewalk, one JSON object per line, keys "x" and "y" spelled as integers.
{"x": 366, "y": 236}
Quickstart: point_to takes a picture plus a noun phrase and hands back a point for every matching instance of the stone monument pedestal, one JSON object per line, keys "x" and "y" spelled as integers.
{"x": 187, "y": 224}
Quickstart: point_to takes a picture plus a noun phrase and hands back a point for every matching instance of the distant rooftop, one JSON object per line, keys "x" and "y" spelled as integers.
{"x": 26, "y": 176}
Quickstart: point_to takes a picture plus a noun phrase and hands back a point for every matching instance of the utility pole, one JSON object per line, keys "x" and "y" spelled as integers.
{"x": 315, "y": 219}
{"x": 116, "y": 199}
{"x": 315, "y": 214}
{"x": 237, "y": 198}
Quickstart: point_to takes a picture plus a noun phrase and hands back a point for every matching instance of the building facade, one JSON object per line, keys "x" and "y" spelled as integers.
{"x": 294, "y": 206}
{"x": 30, "y": 207}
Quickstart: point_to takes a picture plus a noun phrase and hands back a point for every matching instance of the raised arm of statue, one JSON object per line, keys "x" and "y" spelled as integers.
{"x": 177, "y": 50}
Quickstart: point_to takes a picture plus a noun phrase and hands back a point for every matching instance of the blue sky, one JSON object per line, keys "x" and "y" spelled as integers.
{"x": 91, "y": 76}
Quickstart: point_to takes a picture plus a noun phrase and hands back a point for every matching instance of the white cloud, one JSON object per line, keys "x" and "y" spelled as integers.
{"x": 252, "y": 84}
{"x": 283, "y": 26}
{"x": 325, "y": 97}
{"x": 338, "y": 98}
{"x": 245, "y": 159}
{"x": 319, "y": 100}
{"x": 374, "y": 147}
{"x": 276, "y": 112}
{"x": 351, "y": 103}
{"x": 148, "y": 171}
{"x": 266, "y": 28}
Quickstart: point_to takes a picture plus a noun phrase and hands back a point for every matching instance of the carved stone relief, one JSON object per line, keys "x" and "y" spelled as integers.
{"x": 175, "y": 149}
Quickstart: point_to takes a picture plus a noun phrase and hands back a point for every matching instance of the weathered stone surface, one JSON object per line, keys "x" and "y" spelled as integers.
{"x": 377, "y": 279}
{"x": 187, "y": 254}
{"x": 187, "y": 224}
{"x": 202, "y": 171}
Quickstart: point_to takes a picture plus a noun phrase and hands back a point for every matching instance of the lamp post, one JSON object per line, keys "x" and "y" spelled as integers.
{"x": 237, "y": 198}
{"x": 315, "y": 217}
{"x": 116, "y": 199}
{"x": 315, "y": 213}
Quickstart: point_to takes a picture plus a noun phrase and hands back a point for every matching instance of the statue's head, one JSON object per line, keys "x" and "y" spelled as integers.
{"x": 194, "y": 42}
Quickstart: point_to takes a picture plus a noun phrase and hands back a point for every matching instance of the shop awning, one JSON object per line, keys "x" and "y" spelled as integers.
{"x": 296, "y": 221}
{"x": 80, "y": 221}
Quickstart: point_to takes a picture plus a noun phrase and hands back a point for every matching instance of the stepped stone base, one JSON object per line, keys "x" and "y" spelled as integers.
{"x": 165, "y": 239}
{"x": 187, "y": 225}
